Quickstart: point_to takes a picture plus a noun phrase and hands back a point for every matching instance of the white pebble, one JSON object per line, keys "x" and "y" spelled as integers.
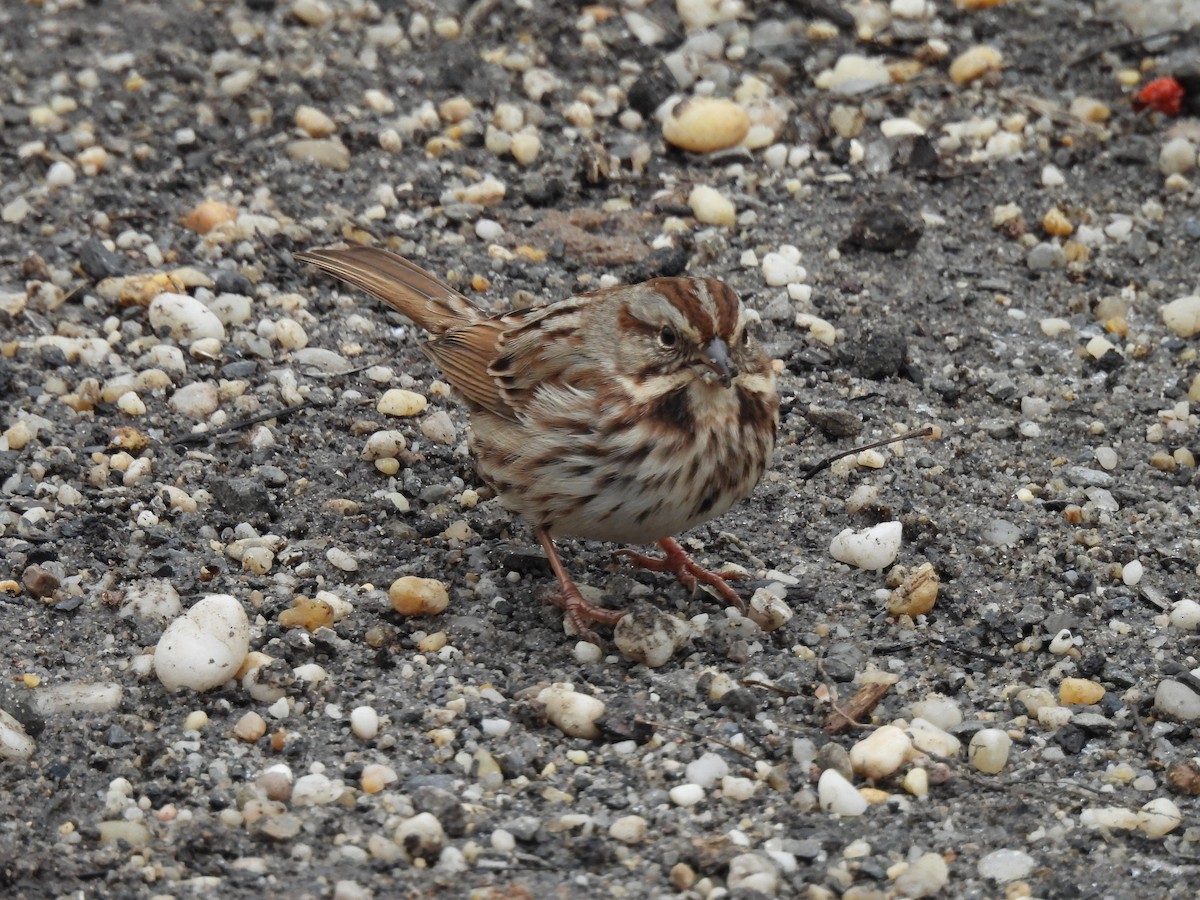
{"x": 938, "y": 710}
{"x": 1182, "y": 315}
{"x": 573, "y": 713}
{"x": 421, "y": 836}
{"x": 364, "y": 722}
{"x": 316, "y": 790}
{"x": 1159, "y": 817}
{"x": 778, "y": 270}
{"x": 647, "y": 635}
{"x": 628, "y": 829}
{"x": 928, "y": 738}
{"x": 203, "y": 648}
{"x": 872, "y": 548}
{"x": 707, "y": 770}
{"x": 881, "y": 752}
{"x": 1062, "y": 643}
{"x": 185, "y": 318}
{"x": 1177, "y": 700}
{"x": 587, "y": 652}
{"x": 488, "y": 230}
{"x": 1185, "y": 614}
{"x": 14, "y": 742}
{"x": 399, "y": 402}
{"x": 686, "y": 795}
{"x": 1131, "y": 572}
{"x": 989, "y": 750}
{"x": 1006, "y": 865}
{"x": 1052, "y": 176}
{"x": 61, "y": 174}
{"x": 1177, "y": 157}
{"x": 838, "y": 796}
{"x": 1109, "y": 817}
{"x": 711, "y": 207}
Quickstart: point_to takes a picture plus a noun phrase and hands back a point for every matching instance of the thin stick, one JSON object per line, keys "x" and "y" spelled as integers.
{"x": 830, "y": 460}
{"x": 202, "y": 436}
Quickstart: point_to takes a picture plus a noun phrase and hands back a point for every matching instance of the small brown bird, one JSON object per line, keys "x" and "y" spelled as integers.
{"x": 627, "y": 414}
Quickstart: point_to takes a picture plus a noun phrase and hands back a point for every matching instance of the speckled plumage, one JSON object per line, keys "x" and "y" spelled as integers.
{"x": 628, "y": 414}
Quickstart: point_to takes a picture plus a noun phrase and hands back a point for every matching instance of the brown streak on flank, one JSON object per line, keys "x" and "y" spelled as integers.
{"x": 753, "y": 411}
{"x": 727, "y": 305}
{"x": 684, "y": 296}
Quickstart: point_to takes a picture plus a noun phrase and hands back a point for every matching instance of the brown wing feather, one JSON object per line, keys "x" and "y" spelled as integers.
{"x": 463, "y": 355}
{"x": 401, "y": 284}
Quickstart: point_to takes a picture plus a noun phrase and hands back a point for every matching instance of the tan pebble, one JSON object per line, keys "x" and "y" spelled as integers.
{"x": 39, "y": 581}
{"x": 683, "y": 877}
{"x": 487, "y": 192}
{"x": 874, "y": 796}
{"x": 705, "y": 124}
{"x": 1089, "y": 109}
{"x": 1163, "y": 461}
{"x": 204, "y": 217}
{"x": 413, "y": 596}
{"x": 399, "y": 402}
{"x": 455, "y": 109}
{"x": 19, "y": 434}
{"x": 1056, "y": 223}
{"x": 978, "y": 4}
{"x": 975, "y": 62}
{"x": 432, "y": 643}
{"x": 312, "y": 12}
{"x": 250, "y": 727}
{"x": 307, "y": 613}
{"x": 375, "y": 777}
{"x": 711, "y": 207}
{"x": 525, "y": 148}
{"x": 916, "y": 595}
{"x": 1079, "y": 692}
{"x": 313, "y": 122}
{"x": 8, "y": 586}
{"x": 480, "y": 283}
{"x": 326, "y": 152}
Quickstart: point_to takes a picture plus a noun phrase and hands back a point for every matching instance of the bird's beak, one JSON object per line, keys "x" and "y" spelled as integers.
{"x": 716, "y": 358}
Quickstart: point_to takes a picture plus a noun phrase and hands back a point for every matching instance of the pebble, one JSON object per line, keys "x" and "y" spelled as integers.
{"x": 376, "y": 776}
{"x": 14, "y": 742}
{"x": 439, "y": 428}
{"x": 1185, "y": 614}
{"x": 401, "y": 403}
{"x": 1177, "y": 157}
{"x": 1108, "y": 460}
{"x": 1177, "y": 700}
{"x": 573, "y": 713}
{"x": 917, "y": 594}
{"x": 250, "y": 727}
{"x": 871, "y": 548}
{"x": 1159, "y": 817}
{"x": 916, "y": 782}
{"x": 1182, "y": 315}
{"x": 650, "y": 636}
{"x": 1080, "y": 692}
{"x": 628, "y": 829}
{"x": 881, "y": 753}
{"x": 854, "y": 73}
{"x": 925, "y": 877}
{"x": 1006, "y": 865}
{"x": 779, "y": 270}
{"x": 707, "y": 770}
{"x": 205, "y": 647}
{"x": 974, "y": 63}
{"x": 60, "y": 174}
{"x": 711, "y": 207}
{"x": 705, "y": 124}
{"x": 314, "y": 122}
{"x": 151, "y": 599}
{"x": 207, "y": 215}
{"x": 185, "y": 318}
{"x": 316, "y": 790}
{"x": 929, "y": 738}
{"x": 753, "y": 872}
{"x": 329, "y": 153}
{"x": 525, "y": 148}
{"x": 686, "y": 795}
{"x": 276, "y": 781}
{"x": 413, "y": 596}
{"x": 364, "y": 722}
{"x": 988, "y": 751}
{"x": 939, "y": 710}
{"x": 838, "y": 796}
{"x": 421, "y": 836}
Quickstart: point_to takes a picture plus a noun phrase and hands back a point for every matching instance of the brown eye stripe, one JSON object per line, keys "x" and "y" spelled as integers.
{"x": 685, "y": 297}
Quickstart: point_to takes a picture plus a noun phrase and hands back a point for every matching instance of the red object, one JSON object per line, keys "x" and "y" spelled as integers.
{"x": 1164, "y": 94}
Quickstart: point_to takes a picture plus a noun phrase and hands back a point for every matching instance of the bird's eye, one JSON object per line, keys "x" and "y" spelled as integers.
{"x": 667, "y": 337}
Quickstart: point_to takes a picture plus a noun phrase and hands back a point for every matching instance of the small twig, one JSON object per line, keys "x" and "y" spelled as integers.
{"x": 653, "y": 723}
{"x": 830, "y": 460}
{"x": 820, "y": 10}
{"x": 865, "y": 699}
{"x": 203, "y": 436}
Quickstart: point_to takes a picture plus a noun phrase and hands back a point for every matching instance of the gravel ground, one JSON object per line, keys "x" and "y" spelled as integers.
{"x": 987, "y": 242}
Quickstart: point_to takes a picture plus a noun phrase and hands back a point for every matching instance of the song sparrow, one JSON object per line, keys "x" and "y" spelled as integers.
{"x": 627, "y": 414}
